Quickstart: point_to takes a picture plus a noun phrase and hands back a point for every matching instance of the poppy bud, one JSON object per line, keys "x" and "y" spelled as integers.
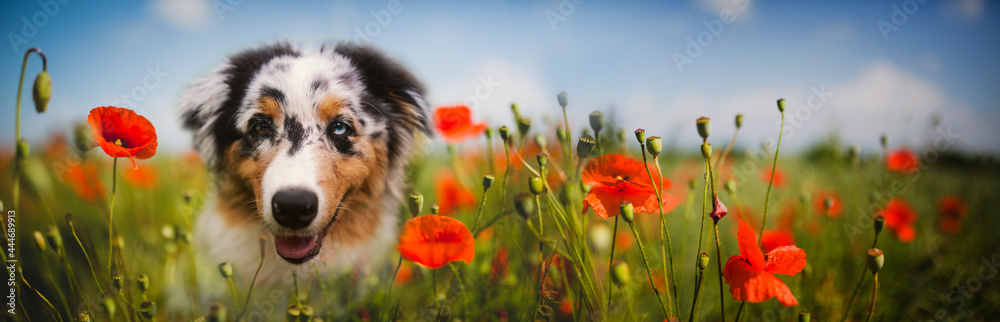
{"x": 489, "y": 133}
{"x": 524, "y": 205}
{"x": 804, "y": 316}
{"x": 523, "y": 126}
{"x": 147, "y": 309}
{"x": 597, "y": 121}
{"x": 879, "y": 224}
{"x": 703, "y": 261}
{"x": 118, "y": 282}
{"x": 22, "y": 149}
{"x": 293, "y": 313}
{"x": 706, "y": 150}
{"x": 587, "y": 131}
{"x": 621, "y": 135}
{"x": 875, "y": 259}
{"x": 83, "y": 137}
{"x": 620, "y": 274}
{"x": 188, "y": 196}
{"x": 561, "y": 134}
{"x": 885, "y": 141}
{"x": 216, "y": 312}
{"x": 54, "y": 238}
{"x": 307, "y": 312}
{"x": 109, "y": 306}
{"x": 143, "y": 282}
{"x": 563, "y": 99}
{"x": 226, "y": 269}
{"x": 83, "y": 317}
{"x": 640, "y": 135}
{"x": 316, "y": 319}
{"x": 654, "y": 145}
{"x": 730, "y": 186}
{"x": 543, "y": 160}
{"x": 435, "y": 209}
{"x": 488, "y": 181}
{"x": 541, "y": 142}
{"x": 739, "y": 121}
{"x": 504, "y": 133}
{"x": 692, "y": 184}
{"x": 585, "y": 146}
{"x": 627, "y": 211}
{"x": 416, "y": 203}
{"x": 263, "y": 246}
{"x": 781, "y": 105}
{"x": 828, "y": 204}
{"x": 40, "y": 242}
{"x": 703, "y": 126}
{"x": 536, "y": 185}
{"x": 42, "y": 91}
{"x": 718, "y": 210}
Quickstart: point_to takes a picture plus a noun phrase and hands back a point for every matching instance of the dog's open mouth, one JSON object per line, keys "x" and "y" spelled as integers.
{"x": 297, "y": 249}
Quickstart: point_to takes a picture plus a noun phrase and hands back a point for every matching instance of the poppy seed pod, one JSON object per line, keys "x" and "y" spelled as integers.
{"x": 226, "y": 269}
{"x": 504, "y": 132}
{"x": 620, "y": 274}
{"x": 627, "y": 211}
{"x": 216, "y": 312}
{"x": 488, "y": 181}
{"x": 640, "y": 135}
{"x": 307, "y": 312}
{"x": 147, "y": 309}
{"x": 118, "y": 282}
{"x": 739, "y": 121}
{"x": 597, "y": 121}
{"x": 875, "y": 259}
{"x": 536, "y": 185}
{"x": 263, "y": 246}
{"x": 561, "y": 134}
{"x": 54, "y": 238}
{"x": 109, "y": 306}
{"x": 543, "y": 160}
{"x": 654, "y": 145}
{"x": 293, "y": 313}
{"x": 513, "y": 108}
{"x": 692, "y": 184}
{"x": 416, "y": 203}
{"x": 879, "y": 224}
{"x": 706, "y": 150}
{"x": 523, "y": 126}
{"x": 40, "y": 241}
{"x": 489, "y": 133}
{"x": 83, "y": 317}
{"x": 22, "y": 149}
{"x": 621, "y": 135}
{"x": 563, "y": 99}
{"x": 703, "y": 261}
{"x": 143, "y": 282}
{"x": 524, "y": 205}
{"x": 828, "y": 204}
{"x": 703, "y": 126}
{"x": 42, "y": 91}
{"x": 730, "y": 186}
{"x": 541, "y": 142}
{"x": 804, "y": 316}
{"x": 435, "y": 209}
{"x": 781, "y": 105}
{"x": 585, "y": 146}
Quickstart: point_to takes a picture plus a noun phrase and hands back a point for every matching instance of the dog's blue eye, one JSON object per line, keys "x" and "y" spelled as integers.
{"x": 339, "y": 128}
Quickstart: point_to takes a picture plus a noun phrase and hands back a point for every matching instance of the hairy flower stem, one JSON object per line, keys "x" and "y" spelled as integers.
{"x": 697, "y": 290}
{"x": 541, "y": 259}
{"x": 649, "y": 274}
{"x": 232, "y": 290}
{"x": 482, "y": 206}
{"x": 17, "y": 122}
{"x": 85, "y": 255}
{"x": 611, "y": 260}
{"x": 718, "y": 244}
{"x": 246, "y": 304}
{"x": 861, "y": 282}
{"x": 770, "y": 183}
{"x": 111, "y": 212}
{"x": 664, "y": 232}
{"x": 718, "y": 163}
{"x": 701, "y": 235}
{"x": 506, "y": 177}
{"x": 871, "y": 310}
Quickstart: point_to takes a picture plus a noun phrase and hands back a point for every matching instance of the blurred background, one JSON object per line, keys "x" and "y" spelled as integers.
{"x": 850, "y": 69}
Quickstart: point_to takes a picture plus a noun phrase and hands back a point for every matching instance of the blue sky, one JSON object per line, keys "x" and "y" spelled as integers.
{"x": 608, "y": 55}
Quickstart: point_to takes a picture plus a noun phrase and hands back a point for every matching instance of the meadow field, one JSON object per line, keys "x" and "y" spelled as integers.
{"x": 565, "y": 247}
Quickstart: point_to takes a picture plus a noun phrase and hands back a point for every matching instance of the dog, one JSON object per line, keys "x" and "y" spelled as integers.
{"x": 308, "y": 148}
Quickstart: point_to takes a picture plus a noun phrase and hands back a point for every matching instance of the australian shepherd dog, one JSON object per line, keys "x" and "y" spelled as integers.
{"x": 308, "y": 148}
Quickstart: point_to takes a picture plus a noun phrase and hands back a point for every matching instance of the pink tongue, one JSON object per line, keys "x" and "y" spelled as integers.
{"x": 294, "y": 246}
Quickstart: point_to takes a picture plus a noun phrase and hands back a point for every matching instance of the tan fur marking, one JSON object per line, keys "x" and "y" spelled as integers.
{"x": 270, "y": 107}
{"x": 329, "y": 108}
{"x": 241, "y": 185}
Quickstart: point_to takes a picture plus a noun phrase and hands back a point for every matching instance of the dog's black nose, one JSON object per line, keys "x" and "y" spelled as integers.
{"x": 294, "y": 208}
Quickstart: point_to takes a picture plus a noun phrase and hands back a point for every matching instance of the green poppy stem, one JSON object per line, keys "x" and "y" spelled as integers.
{"x": 664, "y": 232}
{"x": 17, "y": 122}
{"x": 246, "y": 303}
{"x": 611, "y": 260}
{"x": 774, "y": 167}
{"x": 649, "y": 274}
{"x": 874, "y": 295}
{"x": 697, "y": 292}
{"x": 718, "y": 244}
{"x": 85, "y": 255}
{"x": 232, "y": 290}
{"x": 111, "y": 213}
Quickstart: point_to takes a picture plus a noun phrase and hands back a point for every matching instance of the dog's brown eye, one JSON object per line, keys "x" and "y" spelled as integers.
{"x": 261, "y": 127}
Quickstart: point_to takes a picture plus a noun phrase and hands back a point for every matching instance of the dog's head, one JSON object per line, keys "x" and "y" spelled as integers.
{"x": 302, "y": 132}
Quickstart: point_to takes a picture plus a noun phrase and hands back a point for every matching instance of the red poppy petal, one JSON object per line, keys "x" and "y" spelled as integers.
{"x": 748, "y": 246}
{"x": 434, "y": 241}
{"x": 605, "y": 203}
{"x": 788, "y": 260}
{"x": 747, "y": 283}
{"x": 776, "y": 238}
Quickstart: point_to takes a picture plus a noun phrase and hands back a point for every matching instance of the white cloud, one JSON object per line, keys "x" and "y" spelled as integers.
{"x": 741, "y": 9}
{"x": 967, "y": 10}
{"x": 185, "y": 14}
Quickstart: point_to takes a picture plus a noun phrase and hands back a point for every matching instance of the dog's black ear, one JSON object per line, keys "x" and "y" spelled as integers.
{"x": 208, "y": 105}
{"x": 395, "y": 93}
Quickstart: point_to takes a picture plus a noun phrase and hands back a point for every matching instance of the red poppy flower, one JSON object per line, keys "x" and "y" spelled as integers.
{"x": 613, "y": 179}
{"x": 903, "y": 161}
{"x": 84, "y": 181}
{"x": 455, "y": 123}
{"x": 953, "y": 210}
{"x": 451, "y": 195}
{"x": 775, "y": 238}
{"x": 122, "y": 133}
{"x": 779, "y": 178}
{"x": 145, "y": 177}
{"x": 900, "y": 217}
{"x": 434, "y": 241}
{"x": 819, "y": 201}
{"x": 750, "y": 275}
